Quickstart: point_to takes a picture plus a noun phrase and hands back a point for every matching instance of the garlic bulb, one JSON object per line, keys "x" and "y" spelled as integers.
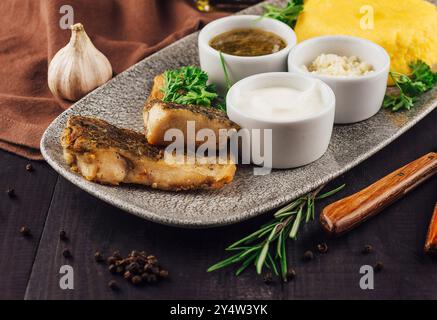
{"x": 78, "y": 68}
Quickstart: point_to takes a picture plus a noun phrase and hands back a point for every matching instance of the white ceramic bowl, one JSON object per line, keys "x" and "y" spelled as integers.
{"x": 294, "y": 142}
{"x": 242, "y": 67}
{"x": 358, "y": 98}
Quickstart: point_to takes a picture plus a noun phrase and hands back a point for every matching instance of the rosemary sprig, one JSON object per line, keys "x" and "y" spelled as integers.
{"x": 267, "y": 246}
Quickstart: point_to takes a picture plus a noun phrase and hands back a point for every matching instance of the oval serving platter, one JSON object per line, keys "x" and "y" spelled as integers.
{"x": 120, "y": 102}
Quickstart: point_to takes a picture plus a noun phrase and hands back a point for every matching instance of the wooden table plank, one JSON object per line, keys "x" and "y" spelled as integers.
{"x": 33, "y": 195}
{"x": 397, "y": 235}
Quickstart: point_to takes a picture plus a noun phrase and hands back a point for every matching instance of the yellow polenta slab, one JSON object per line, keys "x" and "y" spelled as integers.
{"x": 407, "y": 29}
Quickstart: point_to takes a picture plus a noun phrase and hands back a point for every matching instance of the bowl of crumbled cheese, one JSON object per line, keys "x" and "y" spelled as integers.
{"x": 356, "y": 70}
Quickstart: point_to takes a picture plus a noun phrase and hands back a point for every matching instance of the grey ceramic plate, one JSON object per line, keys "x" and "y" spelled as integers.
{"x": 120, "y": 102}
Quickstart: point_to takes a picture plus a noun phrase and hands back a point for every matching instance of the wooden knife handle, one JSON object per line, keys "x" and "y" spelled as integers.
{"x": 345, "y": 214}
{"x": 431, "y": 240}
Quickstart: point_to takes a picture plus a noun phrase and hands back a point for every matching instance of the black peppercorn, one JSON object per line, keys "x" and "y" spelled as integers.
{"x": 291, "y": 274}
{"x": 136, "y": 280}
{"x": 113, "y": 285}
{"x": 163, "y": 274}
{"x": 111, "y": 260}
{"x": 63, "y": 235}
{"x": 25, "y": 231}
{"x": 308, "y": 255}
{"x": 322, "y": 248}
{"x": 119, "y": 269}
{"x": 67, "y": 253}
{"x": 367, "y": 249}
{"x": 116, "y": 255}
{"x": 98, "y": 257}
{"x": 112, "y": 268}
{"x": 133, "y": 267}
{"x": 10, "y": 192}
{"x": 29, "y": 167}
{"x": 378, "y": 266}
{"x": 268, "y": 278}
{"x": 127, "y": 275}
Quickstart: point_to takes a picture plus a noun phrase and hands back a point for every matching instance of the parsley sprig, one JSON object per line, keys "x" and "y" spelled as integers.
{"x": 189, "y": 85}
{"x": 420, "y": 80}
{"x": 267, "y": 247}
{"x": 287, "y": 14}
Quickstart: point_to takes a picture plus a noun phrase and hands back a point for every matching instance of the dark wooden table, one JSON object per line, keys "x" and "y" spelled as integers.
{"x": 29, "y": 267}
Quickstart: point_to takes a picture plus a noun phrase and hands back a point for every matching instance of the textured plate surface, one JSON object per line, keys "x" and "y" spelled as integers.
{"x": 120, "y": 102}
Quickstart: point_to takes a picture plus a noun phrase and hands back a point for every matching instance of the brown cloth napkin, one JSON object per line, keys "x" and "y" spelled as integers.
{"x": 126, "y": 31}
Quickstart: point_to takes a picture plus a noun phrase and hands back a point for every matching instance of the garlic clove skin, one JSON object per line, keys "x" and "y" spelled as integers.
{"x": 78, "y": 68}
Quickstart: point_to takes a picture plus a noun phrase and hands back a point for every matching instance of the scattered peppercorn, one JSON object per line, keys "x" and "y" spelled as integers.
{"x": 113, "y": 285}
{"x": 29, "y": 167}
{"x": 11, "y": 193}
{"x": 137, "y": 267}
{"x": 67, "y": 253}
{"x": 163, "y": 274}
{"x": 308, "y": 255}
{"x": 25, "y": 231}
{"x": 136, "y": 280}
{"x": 112, "y": 260}
{"x": 367, "y": 249}
{"x": 378, "y": 266}
{"x": 268, "y": 278}
{"x": 63, "y": 235}
{"x": 291, "y": 274}
{"x": 98, "y": 257}
{"x": 112, "y": 268}
{"x": 322, "y": 248}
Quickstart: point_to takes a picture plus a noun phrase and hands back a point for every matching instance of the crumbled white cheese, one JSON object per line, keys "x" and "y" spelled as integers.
{"x": 335, "y": 65}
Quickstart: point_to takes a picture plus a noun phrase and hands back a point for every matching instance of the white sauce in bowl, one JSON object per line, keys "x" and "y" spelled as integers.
{"x": 281, "y": 102}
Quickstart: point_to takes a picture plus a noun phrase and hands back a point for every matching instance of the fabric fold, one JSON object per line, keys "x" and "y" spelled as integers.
{"x": 125, "y": 31}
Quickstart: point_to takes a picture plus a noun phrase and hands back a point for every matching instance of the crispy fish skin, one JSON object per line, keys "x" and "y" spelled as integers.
{"x": 106, "y": 154}
{"x": 160, "y": 116}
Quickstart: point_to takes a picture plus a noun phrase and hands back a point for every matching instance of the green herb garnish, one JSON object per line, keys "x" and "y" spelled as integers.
{"x": 225, "y": 71}
{"x": 287, "y": 14}
{"x": 420, "y": 80}
{"x": 189, "y": 85}
{"x": 266, "y": 247}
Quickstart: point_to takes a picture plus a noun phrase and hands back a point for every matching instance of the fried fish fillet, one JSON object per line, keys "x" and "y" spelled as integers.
{"x": 106, "y": 154}
{"x": 160, "y": 116}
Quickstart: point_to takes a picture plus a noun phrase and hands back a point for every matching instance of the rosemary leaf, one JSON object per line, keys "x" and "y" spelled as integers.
{"x": 273, "y": 264}
{"x": 330, "y": 193}
{"x": 225, "y": 71}
{"x": 296, "y": 224}
{"x": 262, "y": 258}
{"x": 246, "y": 263}
{"x": 249, "y": 237}
{"x": 289, "y": 207}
